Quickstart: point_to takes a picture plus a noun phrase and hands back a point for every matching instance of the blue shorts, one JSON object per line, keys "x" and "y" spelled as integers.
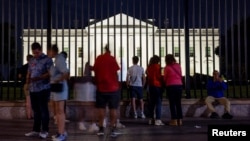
{"x": 110, "y": 99}
{"x": 136, "y": 91}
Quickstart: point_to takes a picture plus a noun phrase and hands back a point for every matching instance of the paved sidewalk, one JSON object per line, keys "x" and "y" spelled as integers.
{"x": 135, "y": 130}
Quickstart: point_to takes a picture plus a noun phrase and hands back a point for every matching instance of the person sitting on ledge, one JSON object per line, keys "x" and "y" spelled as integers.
{"x": 215, "y": 91}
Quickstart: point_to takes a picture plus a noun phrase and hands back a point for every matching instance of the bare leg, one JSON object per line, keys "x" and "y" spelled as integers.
{"x": 113, "y": 117}
{"x": 101, "y": 116}
{"x": 29, "y": 112}
{"x": 60, "y": 116}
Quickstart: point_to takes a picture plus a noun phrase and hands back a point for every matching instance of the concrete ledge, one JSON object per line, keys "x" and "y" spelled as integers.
{"x": 76, "y": 109}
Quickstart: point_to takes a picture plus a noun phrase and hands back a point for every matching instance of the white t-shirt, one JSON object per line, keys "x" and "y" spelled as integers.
{"x": 135, "y": 74}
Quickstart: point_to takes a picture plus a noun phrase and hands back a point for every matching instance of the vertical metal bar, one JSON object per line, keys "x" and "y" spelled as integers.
{"x": 22, "y": 47}
{"x": 200, "y": 38}
{"x": 2, "y": 49}
{"x": 15, "y": 53}
{"x": 239, "y": 49}
{"x": 220, "y": 35}
{"x": 82, "y": 34}
{"x": 95, "y": 30}
{"x": 69, "y": 34}
{"x": 226, "y": 43}
{"x": 77, "y": 51}
{"x": 29, "y": 24}
{"x": 246, "y": 48}
{"x": 194, "y": 49}
{"x": 166, "y": 22}
{"x": 49, "y": 24}
{"x": 56, "y": 21}
{"x": 186, "y": 26}
{"x": 121, "y": 45}
{"x": 9, "y": 46}
{"x": 134, "y": 48}
{"x": 153, "y": 29}
{"x": 147, "y": 39}
{"x": 159, "y": 25}
{"x": 88, "y": 30}
{"x": 207, "y": 47}
{"x": 172, "y": 26}
{"x": 213, "y": 41}
{"x": 128, "y": 43}
{"x": 101, "y": 25}
{"x": 141, "y": 59}
{"x": 114, "y": 28}
{"x": 179, "y": 30}
{"x": 42, "y": 30}
{"x": 35, "y": 20}
{"x": 147, "y": 48}
{"x": 63, "y": 15}
{"x": 108, "y": 34}
{"x": 232, "y": 46}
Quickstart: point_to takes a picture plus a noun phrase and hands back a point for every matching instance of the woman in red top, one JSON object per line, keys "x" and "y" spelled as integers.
{"x": 155, "y": 90}
{"x": 173, "y": 82}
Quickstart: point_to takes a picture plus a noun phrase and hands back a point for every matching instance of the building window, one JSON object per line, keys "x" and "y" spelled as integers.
{"x": 80, "y": 52}
{"x": 79, "y": 73}
{"x": 138, "y": 51}
{"x": 208, "y": 51}
{"x": 176, "y": 51}
{"x": 191, "y": 51}
{"x": 162, "y": 51}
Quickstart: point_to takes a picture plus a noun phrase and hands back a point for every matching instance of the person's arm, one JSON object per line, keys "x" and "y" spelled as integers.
{"x": 61, "y": 65}
{"x": 41, "y": 77}
{"x": 28, "y": 78}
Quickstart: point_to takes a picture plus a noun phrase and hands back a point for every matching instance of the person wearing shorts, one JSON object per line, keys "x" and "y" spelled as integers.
{"x": 59, "y": 73}
{"x": 106, "y": 80}
{"x": 135, "y": 82}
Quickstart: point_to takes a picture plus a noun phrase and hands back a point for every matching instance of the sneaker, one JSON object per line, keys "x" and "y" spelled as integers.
{"x": 100, "y": 132}
{"x": 32, "y": 134}
{"x": 120, "y": 125}
{"x": 57, "y": 134}
{"x": 43, "y": 135}
{"x": 114, "y": 133}
{"x": 60, "y": 137}
{"x": 93, "y": 128}
{"x": 159, "y": 122}
{"x": 81, "y": 126}
{"x": 135, "y": 116}
{"x": 227, "y": 116}
{"x": 143, "y": 116}
{"x": 151, "y": 122}
{"x": 214, "y": 115}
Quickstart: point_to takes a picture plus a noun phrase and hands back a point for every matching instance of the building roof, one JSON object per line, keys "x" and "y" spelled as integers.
{"x": 121, "y": 20}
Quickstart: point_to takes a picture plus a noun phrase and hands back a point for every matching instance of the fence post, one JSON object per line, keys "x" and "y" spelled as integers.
{"x": 187, "y": 59}
{"x": 49, "y": 26}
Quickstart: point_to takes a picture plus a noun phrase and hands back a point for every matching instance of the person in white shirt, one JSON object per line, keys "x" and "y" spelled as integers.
{"x": 135, "y": 81}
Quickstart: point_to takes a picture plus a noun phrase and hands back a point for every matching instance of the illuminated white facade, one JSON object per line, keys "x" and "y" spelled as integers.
{"x": 127, "y": 37}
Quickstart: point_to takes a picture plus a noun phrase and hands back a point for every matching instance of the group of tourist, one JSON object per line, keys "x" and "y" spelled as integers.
{"x": 46, "y": 80}
{"x": 171, "y": 80}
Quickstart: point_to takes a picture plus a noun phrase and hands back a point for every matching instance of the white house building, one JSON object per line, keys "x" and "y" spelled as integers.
{"x": 128, "y": 36}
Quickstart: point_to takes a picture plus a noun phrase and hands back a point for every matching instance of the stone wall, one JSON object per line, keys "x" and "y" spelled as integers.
{"x": 75, "y": 110}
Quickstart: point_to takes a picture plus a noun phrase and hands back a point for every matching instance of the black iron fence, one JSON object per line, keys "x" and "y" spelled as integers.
{"x": 203, "y": 35}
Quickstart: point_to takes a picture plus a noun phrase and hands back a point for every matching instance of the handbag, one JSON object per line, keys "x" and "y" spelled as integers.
{"x": 56, "y": 87}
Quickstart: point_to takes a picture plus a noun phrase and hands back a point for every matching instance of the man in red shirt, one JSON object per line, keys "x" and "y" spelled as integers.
{"x": 106, "y": 79}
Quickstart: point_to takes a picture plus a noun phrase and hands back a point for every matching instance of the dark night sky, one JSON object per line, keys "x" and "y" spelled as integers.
{"x": 64, "y": 12}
